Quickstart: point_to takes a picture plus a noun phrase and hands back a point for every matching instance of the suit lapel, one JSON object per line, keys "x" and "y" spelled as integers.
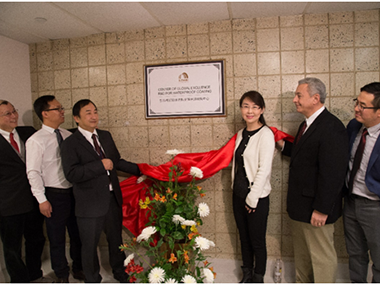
{"x": 309, "y": 132}
{"x": 374, "y": 154}
{"x": 7, "y": 148}
{"x": 85, "y": 143}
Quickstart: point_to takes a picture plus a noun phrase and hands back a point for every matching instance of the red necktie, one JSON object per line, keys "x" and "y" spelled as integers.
{"x": 300, "y": 133}
{"x": 97, "y": 147}
{"x": 13, "y": 142}
{"x": 357, "y": 159}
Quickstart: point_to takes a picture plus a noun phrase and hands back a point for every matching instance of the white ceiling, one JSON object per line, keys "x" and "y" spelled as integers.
{"x": 78, "y": 19}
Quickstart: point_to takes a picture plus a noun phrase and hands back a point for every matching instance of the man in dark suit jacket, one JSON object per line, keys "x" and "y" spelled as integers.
{"x": 362, "y": 203}
{"x": 90, "y": 159}
{"x": 19, "y": 213}
{"x": 316, "y": 174}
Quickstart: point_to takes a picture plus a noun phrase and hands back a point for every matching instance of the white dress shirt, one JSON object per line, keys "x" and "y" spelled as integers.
{"x": 312, "y": 118}
{"x": 359, "y": 188}
{"x": 7, "y": 136}
{"x": 88, "y": 136}
{"x": 43, "y": 162}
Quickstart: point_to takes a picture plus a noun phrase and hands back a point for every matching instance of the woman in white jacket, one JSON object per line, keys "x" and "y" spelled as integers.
{"x": 251, "y": 173}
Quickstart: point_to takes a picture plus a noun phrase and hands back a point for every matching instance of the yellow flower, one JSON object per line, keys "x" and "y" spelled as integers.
{"x": 194, "y": 229}
{"x": 183, "y": 226}
{"x": 147, "y": 200}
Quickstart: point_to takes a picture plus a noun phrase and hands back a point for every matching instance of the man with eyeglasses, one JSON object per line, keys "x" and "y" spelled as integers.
{"x": 362, "y": 203}
{"x": 51, "y": 189}
{"x": 19, "y": 214}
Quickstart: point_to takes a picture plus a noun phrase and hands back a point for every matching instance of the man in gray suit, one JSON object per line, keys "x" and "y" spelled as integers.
{"x": 90, "y": 159}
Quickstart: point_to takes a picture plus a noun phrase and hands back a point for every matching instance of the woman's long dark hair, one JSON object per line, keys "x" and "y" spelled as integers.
{"x": 256, "y": 98}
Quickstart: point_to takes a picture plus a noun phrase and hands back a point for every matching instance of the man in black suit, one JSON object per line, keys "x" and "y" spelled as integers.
{"x": 90, "y": 159}
{"x": 316, "y": 174}
{"x": 19, "y": 213}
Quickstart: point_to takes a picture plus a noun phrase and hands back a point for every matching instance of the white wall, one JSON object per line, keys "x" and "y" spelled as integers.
{"x": 15, "y": 84}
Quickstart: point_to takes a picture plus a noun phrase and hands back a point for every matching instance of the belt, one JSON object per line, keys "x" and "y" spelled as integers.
{"x": 59, "y": 190}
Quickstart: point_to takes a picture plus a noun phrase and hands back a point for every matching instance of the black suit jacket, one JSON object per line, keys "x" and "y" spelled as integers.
{"x": 83, "y": 168}
{"x": 317, "y": 169}
{"x": 15, "y": 194}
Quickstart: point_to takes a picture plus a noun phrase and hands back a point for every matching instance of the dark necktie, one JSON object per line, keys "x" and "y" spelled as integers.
{"x": 357, "y": 160}
{"x": 13, "y": 142}
{"x": 59, "y": 136}
{"x": 300, "y": 133}
{"x": 97, "y": 147}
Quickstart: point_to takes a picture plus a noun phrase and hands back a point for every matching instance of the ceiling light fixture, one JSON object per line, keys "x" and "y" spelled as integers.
{"x": 40, "y": 20}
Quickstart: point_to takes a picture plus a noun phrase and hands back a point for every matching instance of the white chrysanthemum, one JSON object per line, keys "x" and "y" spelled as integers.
{"x": 203, "y": 243}
{"x": 177, "y": 219}
{"x": 141, "y": 179}
{"x": 171, "y": 281}
{"x": 188, "y": 223}
{"x": 208, "y": 275}
{"x": 196, "y": 172}
{"x": 212, "y": 244}
{"x": 188, "y": 279}
{"x": 174, "y": 152}
{"x": 128, "y": 259}
{"x": 203, "y": 210}
{"x": 146, "y": 233}
{"x": 156, "y": 275}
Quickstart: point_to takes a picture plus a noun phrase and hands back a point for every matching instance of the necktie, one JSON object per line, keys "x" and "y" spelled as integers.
{"x": 13, "y": 142}
{"x": 97, "y": 147}
{"x": 300, "y": 133}
{"x": 59, "y": 136}
{"x": 357, "y": 159}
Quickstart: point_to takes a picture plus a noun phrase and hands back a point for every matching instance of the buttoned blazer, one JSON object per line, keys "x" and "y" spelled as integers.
{"x": 15, "y": 194}
{"x": 372, "y": 176}
{"x": 317, "y": 169}
{"x": 84, "y": 169}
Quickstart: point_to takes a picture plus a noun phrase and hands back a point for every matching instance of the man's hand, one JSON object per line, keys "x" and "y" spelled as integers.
{"x": 107, "y": 163}
{"x": 318, "y": 219}
{"x": 280, "y": 145}
{"x": 46, "y": 209}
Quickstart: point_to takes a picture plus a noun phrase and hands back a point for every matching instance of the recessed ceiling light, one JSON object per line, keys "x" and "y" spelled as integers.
{"x": 40, "y": 20}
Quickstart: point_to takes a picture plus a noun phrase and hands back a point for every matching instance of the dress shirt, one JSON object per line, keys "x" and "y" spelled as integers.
{"x": 312, "y": 118}
{"x": 43, "y": 162}
{"x": 359, "y": 187}
{"x": 88, "y": 136}
{"x": 7, "y": 136}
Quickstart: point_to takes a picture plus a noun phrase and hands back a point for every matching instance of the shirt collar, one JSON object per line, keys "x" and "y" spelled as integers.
{"x": 47, "y": 128}
{"x": 373, "y": 131}
{"x": 6, "y": 134}
{"x": 87, "y": 134}
{"x": 312, "y": 118}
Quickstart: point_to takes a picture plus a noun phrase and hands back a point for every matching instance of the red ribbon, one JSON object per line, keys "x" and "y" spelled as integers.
{"x": 134, "y": 218}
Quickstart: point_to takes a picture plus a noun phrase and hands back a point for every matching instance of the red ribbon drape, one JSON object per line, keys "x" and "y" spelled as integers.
{"x": 135, "y": 219}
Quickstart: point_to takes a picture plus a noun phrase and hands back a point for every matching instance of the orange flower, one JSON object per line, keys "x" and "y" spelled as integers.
{"x": 163, "y": 199}
{"x": 212, "y": 270}
{"x": 172, "y": 258}
{"x": 191, "y": 235}
{"x": 205, "y": 262}
{"x": 169, "y": 191}
{"x": 175, "y": 196}
{"x": 157, "y": 197}
{"x": 203, "y": 194}
{"x": 186, "y": 257}
{"x": 199, "y": 188}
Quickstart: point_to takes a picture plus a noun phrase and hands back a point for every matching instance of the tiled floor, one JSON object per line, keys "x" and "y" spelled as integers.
{"x": 228, "y": 271}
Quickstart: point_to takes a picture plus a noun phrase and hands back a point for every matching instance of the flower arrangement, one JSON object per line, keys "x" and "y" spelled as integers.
{"x": 171, "y": 238}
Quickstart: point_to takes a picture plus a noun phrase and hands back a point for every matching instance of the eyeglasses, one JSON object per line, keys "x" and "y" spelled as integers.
{"x": 8, "y": 114}
{"x": 60, "y": 109}
{"x": 361, "y": 108}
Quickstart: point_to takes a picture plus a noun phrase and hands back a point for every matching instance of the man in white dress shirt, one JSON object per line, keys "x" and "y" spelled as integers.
{"x": 51, "y": 189}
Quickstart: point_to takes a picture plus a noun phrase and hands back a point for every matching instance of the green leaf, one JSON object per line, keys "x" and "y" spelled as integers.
{"x": 163, "y": 232}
